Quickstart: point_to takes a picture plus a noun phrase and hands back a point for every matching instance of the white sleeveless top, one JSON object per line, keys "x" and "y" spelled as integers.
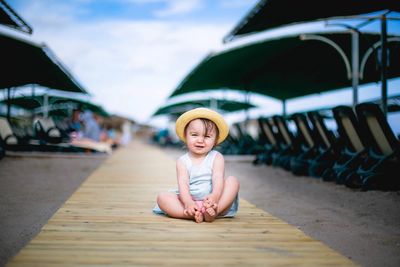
{"x": 200, "y": 176}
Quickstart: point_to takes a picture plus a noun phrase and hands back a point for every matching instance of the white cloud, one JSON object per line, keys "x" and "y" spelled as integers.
{"x": 171, "y": 7}
{"x": 238, "y": 3}
{"x": 178, "y": 7}
{"x": 130, "y": 67}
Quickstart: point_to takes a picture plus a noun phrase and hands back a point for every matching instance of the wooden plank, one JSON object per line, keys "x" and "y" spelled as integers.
{"x": 108, "y": 221}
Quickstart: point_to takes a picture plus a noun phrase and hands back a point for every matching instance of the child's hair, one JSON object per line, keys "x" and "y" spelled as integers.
{"x": 208, "y": 126}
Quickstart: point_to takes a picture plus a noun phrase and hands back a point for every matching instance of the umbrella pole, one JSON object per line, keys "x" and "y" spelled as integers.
{"x": 46, "y": 105}
{"x": 247, "y": 101}
{"x": 284, "y": 108}
{"x": 384, "y": 64}
{"x": 355, "y": 65}
{"x": 8, "y": 104}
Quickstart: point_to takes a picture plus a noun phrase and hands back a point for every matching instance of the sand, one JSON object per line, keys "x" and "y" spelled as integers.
{"x": 364, "y": 226}
{"x": 32, "y": 188}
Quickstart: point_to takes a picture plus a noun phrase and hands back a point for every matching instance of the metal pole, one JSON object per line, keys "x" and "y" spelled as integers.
{"x": 355, "y": 65}
{"x": 284, "y": 107}
{"x": 8, "y": 104}
{"x": 247, "y": 101}
{"x": 384, "y": 63}
{"x": 213, "y": 104}
{"x": 45, "y": 105}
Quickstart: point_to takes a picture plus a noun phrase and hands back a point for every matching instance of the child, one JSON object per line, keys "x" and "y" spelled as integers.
{"x": 203, "y": 192}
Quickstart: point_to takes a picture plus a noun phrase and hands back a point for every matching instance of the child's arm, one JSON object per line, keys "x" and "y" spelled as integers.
{"x": 217, "y": 178}
{"x": 183, "y": 185}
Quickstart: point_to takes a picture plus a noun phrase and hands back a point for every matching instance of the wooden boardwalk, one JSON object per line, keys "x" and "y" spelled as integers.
{"x": 108, "y": 222}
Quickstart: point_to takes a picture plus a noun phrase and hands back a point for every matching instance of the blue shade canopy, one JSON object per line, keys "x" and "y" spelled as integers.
{"x": 54, "y": 102}
{"x": 10, "y": 18}
{"x": 24, "y": 63}
{"x": 221, "y": 104}
{"x": 289, "y": 67}
{"x": 269, "y": 14}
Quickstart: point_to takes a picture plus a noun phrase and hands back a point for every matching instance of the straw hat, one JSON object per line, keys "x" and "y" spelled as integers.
{"x": 202, "y": 113}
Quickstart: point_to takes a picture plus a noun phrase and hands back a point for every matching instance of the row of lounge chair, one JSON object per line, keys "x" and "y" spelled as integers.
{"x": 363, "y": 152}
{"x": 43, "y": 135}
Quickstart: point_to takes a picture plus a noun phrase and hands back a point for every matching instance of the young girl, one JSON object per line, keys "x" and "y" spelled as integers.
{"x": 203, "y": 192}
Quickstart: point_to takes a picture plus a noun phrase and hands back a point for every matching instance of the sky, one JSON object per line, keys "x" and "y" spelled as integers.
{"x": 131, "y": 54}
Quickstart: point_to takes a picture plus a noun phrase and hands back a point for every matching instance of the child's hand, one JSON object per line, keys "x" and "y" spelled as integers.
{"x": 190, "y": 209}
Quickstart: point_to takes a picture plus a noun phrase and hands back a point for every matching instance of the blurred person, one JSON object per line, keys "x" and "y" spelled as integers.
{"x": 75, "y": 124}
{"x": 91, "y": 125}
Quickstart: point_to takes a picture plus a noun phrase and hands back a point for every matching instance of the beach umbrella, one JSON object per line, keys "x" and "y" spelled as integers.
{"x": 224, "y": 105}
{"x": 10, "y": 18}
{"x": 26, "y": 63}
{"x": 269, "y": 14}
{"x": 289, "y": 67}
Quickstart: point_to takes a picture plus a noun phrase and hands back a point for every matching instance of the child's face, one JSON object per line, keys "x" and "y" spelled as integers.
{"x": 198, "y": 140}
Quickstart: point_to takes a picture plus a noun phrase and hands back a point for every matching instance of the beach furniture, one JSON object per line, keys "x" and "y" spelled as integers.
{"x": 7, "y": 138}
{"x": 269, "y": 140}
{"x": 354, "y": 149}
{"x": 231, "y": 144}
{"x": 288, "y": 148}
{"x": 245, "y": 141}
{"x": 239, "y": 141}
{"x": 381, "y": 166}
{"x": 328, "y": 146}
{"x": 308, "y": 144}
{"x": 13, "y": 142}
{"x": 46, "y": 130}
{"x": 6, "y": 132}
{"x": 249, "y": 136}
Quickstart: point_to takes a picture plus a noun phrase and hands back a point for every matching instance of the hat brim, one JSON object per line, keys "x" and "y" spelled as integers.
{"x": 202, "y": 113}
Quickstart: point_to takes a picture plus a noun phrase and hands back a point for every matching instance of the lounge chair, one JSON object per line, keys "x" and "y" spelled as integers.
{"x": 46, "y": 130}
{"x": 231, "y": 144}
{"x": 380, "y": 170}
{"x": 308, "y": 144}
{"x": 251, "y": 133}
{"x": 246, "y": 142}
{"x": 269, "y": 140}
{"x": 288, "y": 148}
{"x": 6, "y": 132}
{"x": 13, "y": 143}
{"x": 355, "y": 146}
{"x": 329, "y": 146}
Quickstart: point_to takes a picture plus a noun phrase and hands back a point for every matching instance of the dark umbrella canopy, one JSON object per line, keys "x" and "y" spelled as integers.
{"x": 37, "y": 101}
{"x": 287, "y": 67}
{"x": 268, "y": 14}
{"x": 10, "y": 18}
{"x": 221, "y": 104}
{"x": 25, "y": 63}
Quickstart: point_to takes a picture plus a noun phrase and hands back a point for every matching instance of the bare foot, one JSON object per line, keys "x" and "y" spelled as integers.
{"x": 198, "y": 217}
{"x": 200, "y": 206}
{"x": 211, "y": 212}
